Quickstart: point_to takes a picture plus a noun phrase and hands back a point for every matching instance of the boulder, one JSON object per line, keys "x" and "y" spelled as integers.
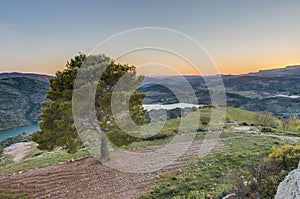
{"x": 290, "y": 187}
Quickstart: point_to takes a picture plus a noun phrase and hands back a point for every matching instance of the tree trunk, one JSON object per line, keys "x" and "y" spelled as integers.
{"x": 104, "y": 149}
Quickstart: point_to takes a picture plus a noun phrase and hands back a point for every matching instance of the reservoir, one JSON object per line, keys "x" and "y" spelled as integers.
{"x": 18, "y": 131}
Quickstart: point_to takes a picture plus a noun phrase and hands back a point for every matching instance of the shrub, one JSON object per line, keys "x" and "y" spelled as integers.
{"x": 286, "y": 157}
{"x": 1, "y": 150}
{"x": 266, "y": 129}
{"x": 119, "y": 138}
{"x": 204, "y": 119}
{"x": 262, "y": 181}
{"x": 163, "y": 134}
{"x": 194, "y": 194}
{"x": 265, "y": 119}
{"x": 228, "y": 119}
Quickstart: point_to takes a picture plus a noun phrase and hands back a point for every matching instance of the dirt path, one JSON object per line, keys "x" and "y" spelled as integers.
{"x": 88, "y": 179}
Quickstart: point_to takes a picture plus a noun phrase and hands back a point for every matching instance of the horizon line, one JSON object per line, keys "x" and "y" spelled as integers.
{"x": 186, "y": 75}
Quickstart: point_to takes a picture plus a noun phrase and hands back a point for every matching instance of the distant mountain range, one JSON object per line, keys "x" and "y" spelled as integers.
{"x": 42, "y": 78}
{"x": 276, "y": 90}
{"x": 288, "y": 71}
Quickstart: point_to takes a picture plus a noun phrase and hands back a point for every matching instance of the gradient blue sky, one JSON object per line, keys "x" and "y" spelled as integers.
{"x": 240, "y": 35}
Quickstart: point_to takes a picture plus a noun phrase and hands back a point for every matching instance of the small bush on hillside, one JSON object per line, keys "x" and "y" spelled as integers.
{"x": 163, "y": 134}
{"x": 266, "y": 129}
{"x": 265, "y": 119}
{"x": 245, "y": 123}
{"x": 204, "y": 119}
{"x": 262, "y": 181}
{"x": 228, "y": 119}
{"x": 119, "y": 138}
{"x": 1, "y": 151}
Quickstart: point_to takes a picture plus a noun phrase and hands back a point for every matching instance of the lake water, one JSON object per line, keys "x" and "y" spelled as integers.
{"x": 18, "y": 131}
{"x": 150, "y": 107}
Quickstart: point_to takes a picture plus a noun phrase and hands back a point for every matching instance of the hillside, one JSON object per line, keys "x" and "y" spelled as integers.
{"x": 20, "y": 101}
{"x": 58, "y": 174}
{"x": 276, "y": 90}
{"x": 270, "y": 90}
{"x": 42, "y": 78}
{"x": 286, "y": 71}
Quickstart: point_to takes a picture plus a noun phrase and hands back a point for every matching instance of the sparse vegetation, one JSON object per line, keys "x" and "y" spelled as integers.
{"x": 262, "y": 181}
{"x": 265, "y": 119}
{"x": 215, "y": 175}
{"x": 40, "y": 160}
{"x": 204, "y": 119}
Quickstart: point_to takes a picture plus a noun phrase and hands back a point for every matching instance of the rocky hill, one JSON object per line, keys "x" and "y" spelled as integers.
{"x": 20, "y": 101}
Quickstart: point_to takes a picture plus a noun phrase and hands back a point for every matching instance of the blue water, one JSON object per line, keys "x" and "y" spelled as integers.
{"x": 18, "y": 131}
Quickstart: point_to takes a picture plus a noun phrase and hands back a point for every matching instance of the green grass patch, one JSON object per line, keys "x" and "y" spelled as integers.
{"x": 47, "y": 159}
{"x": 5, "y": 195}
{"x": 210, "y": 175}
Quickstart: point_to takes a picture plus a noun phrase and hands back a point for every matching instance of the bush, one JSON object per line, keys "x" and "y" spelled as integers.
{"x": 1, "y": 150}
{"x": 262, "y": 181}
{"x": 286, "y": 157}
{"x": 245, "y": 123}
{"x": 119, "y": 138}
{"x": 266, "y": 129}
{"x": 163, "y": 134}
{"x": 228, "y": 119}
{"x": 265, "y": 119}
{"x": 204, "y": 119}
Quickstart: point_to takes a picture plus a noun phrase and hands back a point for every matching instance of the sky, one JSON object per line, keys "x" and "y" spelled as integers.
{"x": 239, "y": 36}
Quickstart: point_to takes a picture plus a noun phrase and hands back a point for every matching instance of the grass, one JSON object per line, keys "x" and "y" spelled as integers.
{"x": 210, "y": 175}
{"x": 241, "y": 115}
{"x": 47, "y": 159}
{"x": 5, "y": 195}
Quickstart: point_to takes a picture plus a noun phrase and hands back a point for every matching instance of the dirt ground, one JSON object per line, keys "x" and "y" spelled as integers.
{"x": 87, "y": 178}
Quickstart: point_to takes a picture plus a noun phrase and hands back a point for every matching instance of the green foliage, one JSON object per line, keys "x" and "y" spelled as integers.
{"x": 1, "y": 150}
{"x": 204, "y": 119}
{"x": 265, "y": 119}
{"x": 57, "y": 125}
{"x": 287, "y": 157}
{"x": 262, "y": 181}
{"x": 228, "y": 119}
{"x": 194, "y": 194}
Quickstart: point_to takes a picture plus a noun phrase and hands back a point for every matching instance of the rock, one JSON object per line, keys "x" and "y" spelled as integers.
{"x": 290, "y": 187}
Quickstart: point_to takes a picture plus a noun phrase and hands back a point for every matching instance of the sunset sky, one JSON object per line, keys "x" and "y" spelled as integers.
{"x": 239, "y": 35}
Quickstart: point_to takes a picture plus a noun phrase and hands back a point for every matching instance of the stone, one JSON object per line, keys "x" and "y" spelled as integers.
{"x": 290, "y": 187}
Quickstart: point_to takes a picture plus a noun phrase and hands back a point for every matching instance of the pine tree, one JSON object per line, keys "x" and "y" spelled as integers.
{"x": 57, "y": 123}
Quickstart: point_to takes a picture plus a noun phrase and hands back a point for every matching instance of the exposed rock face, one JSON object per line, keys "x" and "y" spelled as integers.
{"x": 290, "y": 187}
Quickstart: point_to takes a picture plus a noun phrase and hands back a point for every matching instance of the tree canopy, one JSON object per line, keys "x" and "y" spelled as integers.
{"x": 57, "y": 122}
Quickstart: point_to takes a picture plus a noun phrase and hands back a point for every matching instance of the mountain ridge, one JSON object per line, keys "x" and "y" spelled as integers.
{"x": 40, "y": 77}
{"x": 265, "y": 90}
